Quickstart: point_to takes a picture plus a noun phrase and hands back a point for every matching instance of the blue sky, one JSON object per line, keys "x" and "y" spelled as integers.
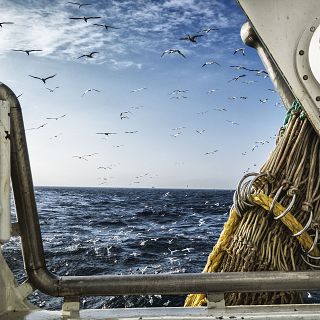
{"x": 174, "y": 139}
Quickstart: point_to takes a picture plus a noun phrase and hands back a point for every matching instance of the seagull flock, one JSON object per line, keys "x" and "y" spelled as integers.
{"x": 177, "y": 94}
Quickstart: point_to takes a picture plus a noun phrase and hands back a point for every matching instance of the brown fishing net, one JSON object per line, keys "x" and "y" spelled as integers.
{"x": 274, "y": 222}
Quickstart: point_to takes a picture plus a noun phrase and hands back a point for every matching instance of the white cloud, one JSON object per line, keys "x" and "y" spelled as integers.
{"x": 145, "y": 26}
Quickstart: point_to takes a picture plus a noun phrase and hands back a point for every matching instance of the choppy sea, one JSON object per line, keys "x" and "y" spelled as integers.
{"x": 94, "y": 231}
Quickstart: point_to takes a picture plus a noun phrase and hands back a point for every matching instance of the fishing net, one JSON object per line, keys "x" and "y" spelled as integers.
{"x": 273, "y": 224}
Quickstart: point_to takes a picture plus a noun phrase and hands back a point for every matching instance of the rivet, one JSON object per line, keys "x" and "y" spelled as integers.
{"x": 318, "y": 98}
{"x": 301, "y": 52}
{"x": 305, "y": 77}
{"x": 313, "y": 29}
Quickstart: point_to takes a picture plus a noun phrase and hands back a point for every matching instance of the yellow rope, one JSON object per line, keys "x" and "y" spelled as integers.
{"x": 215, "y": 257}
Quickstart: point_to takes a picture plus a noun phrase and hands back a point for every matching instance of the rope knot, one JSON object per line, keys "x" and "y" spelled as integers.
{"x": 292, "y": 191}
{"x": 286, "y": 184}
{"x": 306, "y": 206}
{"x": 270, "y": 177}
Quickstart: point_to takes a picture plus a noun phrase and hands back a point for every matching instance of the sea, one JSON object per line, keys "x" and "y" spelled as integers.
{"x": 96, "y": 231}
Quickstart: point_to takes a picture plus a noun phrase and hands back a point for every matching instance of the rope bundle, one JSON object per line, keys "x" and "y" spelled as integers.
{"x": 274, "y": 222}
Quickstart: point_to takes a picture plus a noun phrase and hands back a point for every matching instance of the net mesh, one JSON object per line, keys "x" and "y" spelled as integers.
{"x": 274, "y": 222}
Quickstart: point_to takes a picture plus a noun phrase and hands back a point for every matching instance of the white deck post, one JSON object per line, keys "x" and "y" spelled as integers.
{"x": 5, "y": 215}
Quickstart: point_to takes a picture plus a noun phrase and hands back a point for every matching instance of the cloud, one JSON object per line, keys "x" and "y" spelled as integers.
{"x": 125, "y": 64}
{"x": 146, "y": 27}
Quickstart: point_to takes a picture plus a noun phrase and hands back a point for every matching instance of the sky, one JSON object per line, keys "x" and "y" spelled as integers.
{"x": 161, "y": 138}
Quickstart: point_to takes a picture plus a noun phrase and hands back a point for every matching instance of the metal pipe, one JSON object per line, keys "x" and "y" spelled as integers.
{"x": 5, "y": 214}
{"x": 42, "y": 279}
{"x": 250, "y": 38}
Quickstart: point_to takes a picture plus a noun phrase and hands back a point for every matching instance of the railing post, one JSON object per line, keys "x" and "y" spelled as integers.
{"x": 5, "y": 215}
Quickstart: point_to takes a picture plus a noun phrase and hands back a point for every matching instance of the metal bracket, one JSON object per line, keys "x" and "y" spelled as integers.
{"x": 215, "y": 300}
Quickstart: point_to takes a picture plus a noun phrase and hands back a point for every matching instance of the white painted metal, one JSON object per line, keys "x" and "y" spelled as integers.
{"x": 314, "y": 54}
{"x": 5, "y": 224}
{"x": 283, "y": 312}
{"x": 280, "y": 24}
{"x": 12, "y": 296}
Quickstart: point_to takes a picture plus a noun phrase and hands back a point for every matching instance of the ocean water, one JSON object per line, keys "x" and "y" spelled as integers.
{"x": 95, "y": 231}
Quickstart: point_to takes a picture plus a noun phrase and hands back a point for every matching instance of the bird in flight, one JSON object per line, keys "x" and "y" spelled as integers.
{"x": 56, "y": 118}
{"x": 211, "y": 152}
{"x": 237, "y": 78}
{"x": 131, "y": 131}
{"x": 192, "y": 38}
{"x": 139, "y": 89}
{"x": 178, "y": 91}
{"x": 80, "y": 157}
{"x": 106, "y": 133}
{"x": 1, "y": 23}
{"x": 169, "y": 51}
{"x": 232, "y": 122}
{"x": 220, "y": 109}
{"x": 90, "y": 90}
{"x": 26, "y": 51}
{"x": 42, "y": 79}
{"x": 80, "y": 4}
{"x": 238, "y": 67}
{"x": 212, "y": 91}
{"x": 90, "y": 55}
{"x": 200, "y": 131}
{"x": 106, "y": 26}
{"x": 241, "y": 50}
{"x": 210, "y": 62}
{"x": 249, "y": 82}
{"x": 85, "y": 19}
{"x": 263, "y": 100}
{"x": 36, "y": 128}
{"x": 52, "y": 90}
{"x": 207, "y": 30}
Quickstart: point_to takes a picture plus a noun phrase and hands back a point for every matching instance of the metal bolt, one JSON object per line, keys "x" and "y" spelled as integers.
{"x": 318, "y": 98}
{"x": 305, "y": 77}
{"x": 301, "y": 52}
{"x": 313, "y": 29}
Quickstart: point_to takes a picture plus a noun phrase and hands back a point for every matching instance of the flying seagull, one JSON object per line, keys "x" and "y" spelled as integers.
{"x": 41, "y": 126}
{"x": 90, "y": 55}
{"x": 139, "y": 89}
{"x": 192, "y": 38}
{"x": 56, "y": 118}
{"x": 85, "y": 19}
{"x": 106, "y": 26}
{"x": 26, "y": 51}
{"x": 239, "y": 50}
{"x": 210, "y": 62}
{"x": 52, "y": 90}
{"x": 80, "y": 4}
{"x": 237, "y": 78}
{"x": 207, "y": 30}
{"x": 211, "y": 152}
{"x": 232, "y": 122}
{"x": 80, "y": 157}
{"x": 106, "y": 133}
{"x": 169, "y": 51}
{"x": 90, "y": 90}
{"x": 42, "y": 79}
{"x": 178, "y": 91}
{"x": 1, "y": 23}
